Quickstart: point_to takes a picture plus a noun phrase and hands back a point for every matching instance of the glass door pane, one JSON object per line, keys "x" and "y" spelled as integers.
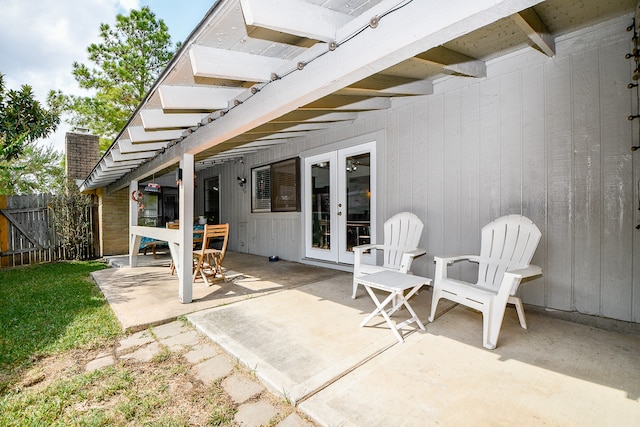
{"x": 339, "y": 196}
{"x": 321, "y": 205}
{"x": 358, "y": 199}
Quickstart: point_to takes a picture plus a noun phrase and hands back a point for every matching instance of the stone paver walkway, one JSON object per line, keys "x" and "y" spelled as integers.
{"x": 209, "y": 363}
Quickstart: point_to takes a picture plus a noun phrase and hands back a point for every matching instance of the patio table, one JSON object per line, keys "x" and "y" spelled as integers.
{"x": 396, "y": 284}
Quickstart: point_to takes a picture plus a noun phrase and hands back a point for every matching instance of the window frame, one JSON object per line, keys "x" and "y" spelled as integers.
{"x": 279, "y": 178}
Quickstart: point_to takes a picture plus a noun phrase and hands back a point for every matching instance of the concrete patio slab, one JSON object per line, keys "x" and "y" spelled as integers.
{"x": 148, "y": 294}
{"x": 557, "y": 373}
{"x": 305, "y": 344}
{"x": 301, "y": 338}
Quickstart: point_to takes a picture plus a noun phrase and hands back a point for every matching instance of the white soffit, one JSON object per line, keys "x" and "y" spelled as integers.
{"x": 276, "y": 69}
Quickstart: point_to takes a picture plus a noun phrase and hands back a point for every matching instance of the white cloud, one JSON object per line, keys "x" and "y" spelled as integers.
{"x": 41, "y": 40}
{"x": 129, "y": 4}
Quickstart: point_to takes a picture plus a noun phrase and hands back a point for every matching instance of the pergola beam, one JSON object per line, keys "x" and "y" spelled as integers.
{"x": 295, "y": 17}
{"x": 139, "y": 134}
{"x": 127, "y": 147}
{"x": 454, "y": 61}
{"x": 231, "y": 65}
{"x": 380, "y": 84}
{"x": 347, "y": 103}
{"x": 157, "y": 119}
{"x": 529, "y": 22}
{"x": 196, "y": 98}
{"x": 416, "y": 27}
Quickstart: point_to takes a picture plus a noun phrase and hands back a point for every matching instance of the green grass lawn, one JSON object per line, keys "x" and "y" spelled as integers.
{"x": 51, "y": 308}
{"x": 53, "y": 320}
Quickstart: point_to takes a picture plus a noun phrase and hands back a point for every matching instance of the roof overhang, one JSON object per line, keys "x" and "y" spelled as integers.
{"x": 255, "y": 74}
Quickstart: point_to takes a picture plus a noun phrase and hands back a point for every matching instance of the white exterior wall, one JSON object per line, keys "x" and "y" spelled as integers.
{"x": 545, "y": 137}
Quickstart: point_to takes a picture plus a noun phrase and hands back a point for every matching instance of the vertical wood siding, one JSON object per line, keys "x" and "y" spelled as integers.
{"x": 544, "y": 137}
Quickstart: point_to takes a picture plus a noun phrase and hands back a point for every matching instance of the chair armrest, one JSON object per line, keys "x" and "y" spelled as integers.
{"x": 523, "y": 273}
{"x": 416, "y": 252}
{"x": 443, "y": 262}
{"x": 512, "y": 279}
{"x": 360, "y": 249}
{"x": 407, "y": 259}
{"x": 452, "y": 259}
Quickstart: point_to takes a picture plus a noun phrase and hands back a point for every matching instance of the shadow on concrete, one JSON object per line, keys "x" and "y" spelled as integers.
{"x": 297, "y": 327}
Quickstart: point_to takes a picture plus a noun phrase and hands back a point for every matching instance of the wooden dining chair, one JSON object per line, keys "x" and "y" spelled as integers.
{"x": 208, "y": 260}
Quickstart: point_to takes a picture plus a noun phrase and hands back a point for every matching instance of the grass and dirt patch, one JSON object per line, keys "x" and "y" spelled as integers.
{"x": 54, "y": 320}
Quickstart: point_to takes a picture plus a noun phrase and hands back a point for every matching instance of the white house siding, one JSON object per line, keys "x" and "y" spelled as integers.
{"x": 545, "y": 137}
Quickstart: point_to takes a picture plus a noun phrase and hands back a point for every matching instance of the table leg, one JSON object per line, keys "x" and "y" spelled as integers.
{"x": 380, "y": 309}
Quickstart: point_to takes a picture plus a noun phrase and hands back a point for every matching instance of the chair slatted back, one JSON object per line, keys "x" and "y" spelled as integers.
{"x": 214, "y": 232}
{"x": 401, "y": 234}
{"x": 508, "y": 243}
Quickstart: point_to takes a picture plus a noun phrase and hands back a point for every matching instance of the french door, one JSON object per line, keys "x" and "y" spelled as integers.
{"x": 339, "y": 202}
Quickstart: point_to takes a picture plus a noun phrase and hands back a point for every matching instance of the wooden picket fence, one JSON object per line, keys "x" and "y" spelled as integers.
{"x": 28, "y": 235}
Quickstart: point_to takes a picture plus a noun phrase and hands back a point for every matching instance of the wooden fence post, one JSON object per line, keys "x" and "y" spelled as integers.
{"x": 4, "y": 233}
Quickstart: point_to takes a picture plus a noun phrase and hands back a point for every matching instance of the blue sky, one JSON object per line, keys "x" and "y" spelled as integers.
{"x": 40, "y": 39}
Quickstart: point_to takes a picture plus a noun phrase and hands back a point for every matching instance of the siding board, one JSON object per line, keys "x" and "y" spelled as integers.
{"x": 420, "y": 186}
{"x": 470, "y": 177}
{"x": 511, "y": 144}
{"x": 452, "y": 172}
{"x": 435, "y": 166}
{"x": 489, "y": 150}
{"x": 533, "y": 172}
{"x": 405, "y": 186}
{"x": 547, "y": 137}
{"x": 587, "y": 182}
{"x": 617, "y": 245}
{"x": 393, "y": 168}
{"x": 559, "y": 215}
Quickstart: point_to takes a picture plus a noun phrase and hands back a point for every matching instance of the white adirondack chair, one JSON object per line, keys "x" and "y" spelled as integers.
{"x": 401, "y": 236}
{"x": 507, "y": 247}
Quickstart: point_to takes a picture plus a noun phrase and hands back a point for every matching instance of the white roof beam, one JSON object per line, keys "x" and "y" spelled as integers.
{"x": 276, "y": 136}
{"x": 138, "y": 134}
{"x": 108, "y": 172}
{"x": 117, "y": 168}
{"x": 158, "y": 119}
{"x": 415, "y": 27}
{"x": 196, "y": 98}
{"x": 118, "y": 156}
{"x": 347, "y": 103}
{"x": 454, "y": 61}
{"x": 262, "y": 144}
{"x": 126, "y": 146}
{"x": 388, "y": 85}
{"x": 298, "y": 116}
{"x": 272, "y": 128}
{"x": 108, "y": 160}
{"x": 529, "y": 22}
{"x": 227, "y": 64}
{"x": 295, "y": 17}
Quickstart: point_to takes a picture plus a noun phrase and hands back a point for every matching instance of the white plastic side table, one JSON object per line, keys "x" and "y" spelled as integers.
{"x": 396, "y": 284}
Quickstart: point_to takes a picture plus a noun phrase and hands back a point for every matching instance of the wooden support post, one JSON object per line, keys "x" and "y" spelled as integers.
{"x": 185, "y": 255}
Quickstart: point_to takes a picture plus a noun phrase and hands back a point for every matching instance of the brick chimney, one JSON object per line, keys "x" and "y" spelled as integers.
{"x": 83, "y": 152}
